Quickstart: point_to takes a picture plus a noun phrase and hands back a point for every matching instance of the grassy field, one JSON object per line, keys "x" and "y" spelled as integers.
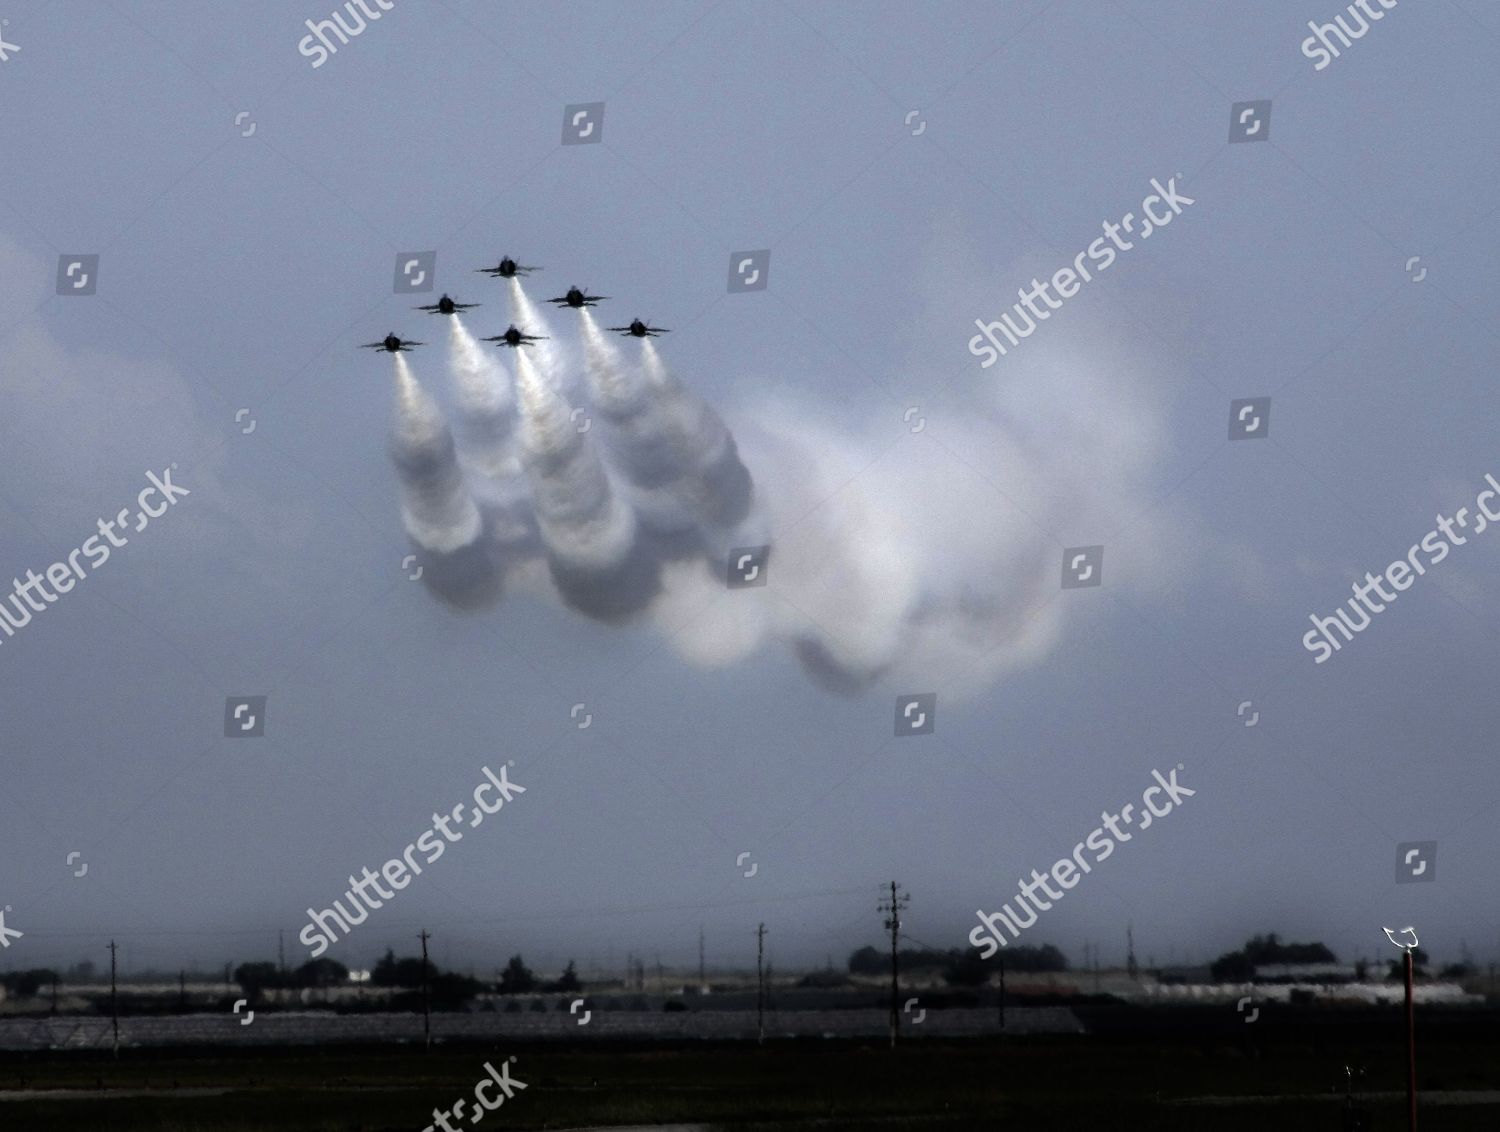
{"x": 1039, "y": 1084}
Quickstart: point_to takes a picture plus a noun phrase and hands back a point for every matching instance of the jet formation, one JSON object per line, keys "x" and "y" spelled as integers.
{"x": 576, "y": 297}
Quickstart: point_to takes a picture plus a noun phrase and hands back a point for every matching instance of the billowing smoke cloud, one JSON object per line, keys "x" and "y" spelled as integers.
{"x": 933, "y": 559}
{"x": 587, "y": 529}
{"x": 674, "y": 451}
{"x": 439, "y": 513}
{"x": 488, "y": 438}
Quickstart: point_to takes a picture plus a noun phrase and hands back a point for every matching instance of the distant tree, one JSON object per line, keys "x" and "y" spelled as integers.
{"x": 868, "y": 961}
{"x": 568, "y": 981}
{"x": 254, "y": 978}
{"x": 81, "y": 972}
{"x": 968, "y": 970}
{"x": 406, "y": 973}
{"x": 1268, "y": 949}
{"x": 449, "y": 991}
{"x": 1232, "y": 967}
{"x": 1043, "y": 958}
{"x": 320, "y": 973}
{"x": 383, "y": 974}
{"x": 1260, "y": 951}
{"x": 1362, "y": 969}
{"x": 25, "y": 984}
{"x": 1456, "y": 971}
{"x": 824, "y": 980}
{"x": 919, "y": 959}
{"x": 517, "y": 977}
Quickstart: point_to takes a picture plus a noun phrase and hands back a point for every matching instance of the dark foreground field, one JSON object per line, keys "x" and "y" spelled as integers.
{"x": 1225, "y": 1082}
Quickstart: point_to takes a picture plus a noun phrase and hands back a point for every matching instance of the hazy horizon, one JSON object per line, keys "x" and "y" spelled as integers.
{"x": 696, "y": 754}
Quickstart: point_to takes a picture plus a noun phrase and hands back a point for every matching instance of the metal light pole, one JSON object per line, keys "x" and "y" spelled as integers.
{"x": 1411, "y": 1028}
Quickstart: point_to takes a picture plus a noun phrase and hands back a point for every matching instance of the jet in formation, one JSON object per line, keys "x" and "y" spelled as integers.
{"x": 507, "y": 269}
{"x": 638, "y": 329}
{"x": 514, "y": 338}
{"x": 391, "y": 344}
{"x": 577, "y": 299}
{"x": 445, "y": 305}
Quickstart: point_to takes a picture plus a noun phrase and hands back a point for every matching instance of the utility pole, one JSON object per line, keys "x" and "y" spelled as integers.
{"x": 702, "y": 978}
{"x": 114, "y": 1012}
{"x": 1411, "y": 1028}
{"x": 893, "y": 921}
{"x": 426, "y": 1017}
{"x": 1002, "y": 992}
{"x": 760, "y": 984}
{"x": 1131, "y": 967}
{"x": 1411, "y": 1050}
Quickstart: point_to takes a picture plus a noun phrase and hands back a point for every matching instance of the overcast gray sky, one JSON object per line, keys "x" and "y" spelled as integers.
{"x": 908, "y": 170}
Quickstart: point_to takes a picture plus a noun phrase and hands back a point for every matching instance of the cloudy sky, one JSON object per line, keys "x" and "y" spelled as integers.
{"x": 908, "y": 172}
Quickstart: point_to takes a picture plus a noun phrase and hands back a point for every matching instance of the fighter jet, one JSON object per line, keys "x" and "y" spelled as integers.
{"x": 514, "y": 338}
{"x": 507, "y": 269}
{"x": 445, "y": 305}
{"x": 391, "y": 344}
{"x": 638, "y": 329}
{"x": 576, "y": 298}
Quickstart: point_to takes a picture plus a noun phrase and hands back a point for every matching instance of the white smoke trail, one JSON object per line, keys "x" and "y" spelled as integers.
{"x": 638, "y": 435}
{"x": 673, "y": 450}
{"x": 548, "y": 354}
{"x": 588, "y": 531}
{"x": 437, "y": 510}
{"x": 459, "y": 564}
{"x": 488, "y": 447}
{"x": 486, "y": 406}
